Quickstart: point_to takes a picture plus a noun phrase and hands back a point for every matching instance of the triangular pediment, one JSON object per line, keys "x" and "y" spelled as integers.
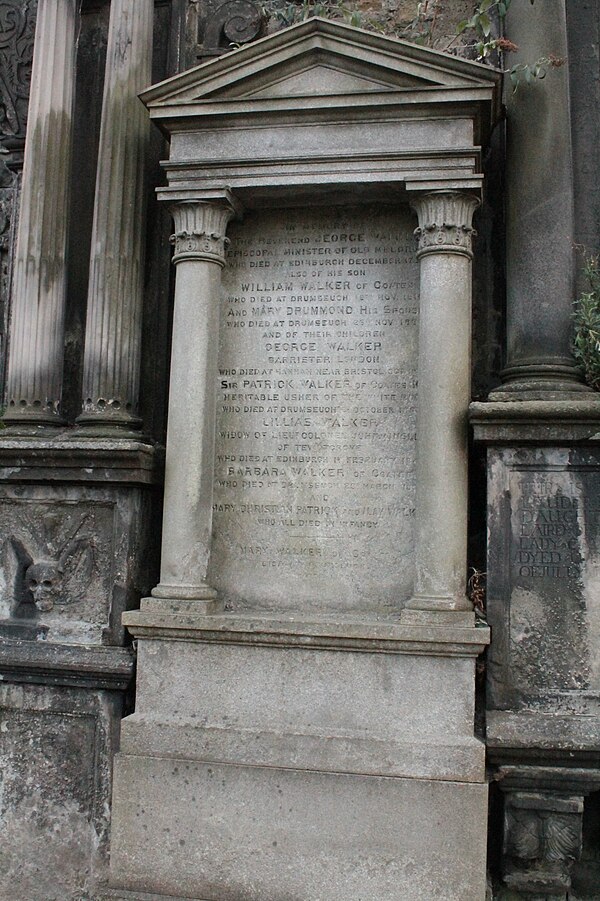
{"x": 318, "y": 58}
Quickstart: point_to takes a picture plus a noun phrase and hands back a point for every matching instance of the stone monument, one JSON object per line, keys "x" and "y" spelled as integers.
{"x": 305, "y": 695}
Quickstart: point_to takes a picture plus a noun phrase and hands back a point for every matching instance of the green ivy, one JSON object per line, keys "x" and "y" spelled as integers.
{"x": 586, "y": 321}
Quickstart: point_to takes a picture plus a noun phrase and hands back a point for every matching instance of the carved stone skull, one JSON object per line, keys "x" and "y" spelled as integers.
{"x": 44, "y": 580}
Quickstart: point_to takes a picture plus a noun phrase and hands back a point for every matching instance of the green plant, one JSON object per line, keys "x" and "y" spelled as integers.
{"x": 586, "y": 325}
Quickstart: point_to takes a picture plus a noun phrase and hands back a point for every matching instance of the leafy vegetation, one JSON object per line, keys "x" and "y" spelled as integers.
{"x": 586, "y": 320}
{"x": 478, "y": 36}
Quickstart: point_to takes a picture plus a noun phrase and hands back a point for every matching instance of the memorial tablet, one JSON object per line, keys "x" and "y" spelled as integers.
{"x": 314, "y": 493}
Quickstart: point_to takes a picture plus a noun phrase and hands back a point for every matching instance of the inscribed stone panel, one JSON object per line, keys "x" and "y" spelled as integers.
{"x": 315, "y": 451}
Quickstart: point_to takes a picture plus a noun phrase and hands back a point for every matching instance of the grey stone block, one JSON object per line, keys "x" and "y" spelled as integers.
{"x": 230, "y": 833}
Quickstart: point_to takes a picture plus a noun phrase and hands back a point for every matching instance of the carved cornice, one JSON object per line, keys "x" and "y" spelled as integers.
{"x": 200, "y": 229}
{"x": 445, "y": 222}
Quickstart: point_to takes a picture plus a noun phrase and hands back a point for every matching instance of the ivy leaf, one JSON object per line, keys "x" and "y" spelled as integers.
{"x": 462, "y": 26}
{"x": 485, "y": 24}
{"x": 485, "y": 5}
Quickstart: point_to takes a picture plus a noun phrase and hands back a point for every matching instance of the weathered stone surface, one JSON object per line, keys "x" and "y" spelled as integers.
{"x": 540, "y": 213}
{"x": 56, "y": 746}
{"x": 252, "y": 832}
{"x": 39, "y": 293}
{"x": 542, "y": 574}
{"x": 316, "y": 428}
{"x": 69, "y": 559}
{"x": 115, "y": 300}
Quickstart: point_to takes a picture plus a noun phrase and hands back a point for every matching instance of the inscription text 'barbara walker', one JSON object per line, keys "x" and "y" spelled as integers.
{"x": 316, "y": 429}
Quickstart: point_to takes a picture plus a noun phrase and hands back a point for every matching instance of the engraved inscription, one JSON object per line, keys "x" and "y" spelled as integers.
{"x": 316, "y": 430}
{"x": 546, "y": 541}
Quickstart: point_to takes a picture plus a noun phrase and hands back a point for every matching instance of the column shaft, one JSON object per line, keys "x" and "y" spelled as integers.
{"x": 189, "y": 469}
{"x": 34, "y": 381}
{"x": 115, "y": 298}
{"x": 444, "y": 394}
{"x": 540, "y": 225}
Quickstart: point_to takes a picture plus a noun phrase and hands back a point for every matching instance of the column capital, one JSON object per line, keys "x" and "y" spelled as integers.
{"x": 200, "y": 227}
{"x": 445, "y": 219}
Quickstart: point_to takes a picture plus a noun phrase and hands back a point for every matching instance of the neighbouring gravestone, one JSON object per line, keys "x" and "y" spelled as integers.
{"x": 314, "y": 494}
{"x": 544, "y": 570}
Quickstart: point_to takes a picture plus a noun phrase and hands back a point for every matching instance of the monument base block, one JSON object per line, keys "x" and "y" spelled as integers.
{"x": 264, "y": 761}
{"x": 224, "y": 832}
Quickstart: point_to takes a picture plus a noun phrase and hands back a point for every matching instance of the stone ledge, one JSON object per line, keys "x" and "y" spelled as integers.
{"x": 71, "y": 457}
{"x": 381, "y": 636}
{"x": 537, "y": 421}
{"x": 80, "y": 666}
{"x": 461, "y": 760}
{"x": 536, "y": 737}
{"x": 119, "y": 895}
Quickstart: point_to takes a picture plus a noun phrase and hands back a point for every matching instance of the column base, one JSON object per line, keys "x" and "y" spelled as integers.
{"x": 441, "y": 610}
{"x": 539, "y": 381}
{"x": 108, "y": 425}
{"x": 33, "y": 424}
{"x": 186, "y": 599}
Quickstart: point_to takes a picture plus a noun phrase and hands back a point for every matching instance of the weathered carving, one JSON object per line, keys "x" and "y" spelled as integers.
{"x": 445, "y": 222}
{"x": 17, "y": 28}
{"x": 542, "y": 839}
{"x": 199, "y": 243}
{"x": 200, "y": 231}
{"x": 55, "y": 579}
{"x": 233, "y": 22}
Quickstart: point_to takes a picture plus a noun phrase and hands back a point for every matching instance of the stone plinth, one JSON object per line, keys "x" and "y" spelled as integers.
{"x": 60, "y": 710}
{"x": 291, "y": 752}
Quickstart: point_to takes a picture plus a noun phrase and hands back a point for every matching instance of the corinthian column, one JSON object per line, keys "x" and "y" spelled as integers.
{"x": 444, "y": 392}
{"x": 115, "y": 297}
{"x": 34, "y": 381}
{"x": 189, "y": 468}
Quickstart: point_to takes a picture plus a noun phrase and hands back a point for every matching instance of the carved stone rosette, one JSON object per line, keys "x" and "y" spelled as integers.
{"x": 200, "y": 232}
{"x": 445, "y": 222}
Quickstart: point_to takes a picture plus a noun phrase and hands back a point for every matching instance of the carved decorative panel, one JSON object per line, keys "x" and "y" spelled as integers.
{"x": 17, "y": 27}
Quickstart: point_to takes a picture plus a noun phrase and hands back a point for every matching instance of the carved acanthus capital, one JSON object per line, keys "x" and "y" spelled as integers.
{"x": 200, "y": 228}
{"x": 445, "y": 219}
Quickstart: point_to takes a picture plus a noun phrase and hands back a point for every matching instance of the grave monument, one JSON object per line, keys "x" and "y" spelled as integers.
{"x": 305, "y": 691}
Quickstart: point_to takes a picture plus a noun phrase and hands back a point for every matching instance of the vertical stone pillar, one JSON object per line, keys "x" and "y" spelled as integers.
{"x": 200, "y": 242}
{"x": 115, "y": 298}
{"x": 34, "y": 381}
{"x": 540, "y": 227}
{"x": 444, "y": 392}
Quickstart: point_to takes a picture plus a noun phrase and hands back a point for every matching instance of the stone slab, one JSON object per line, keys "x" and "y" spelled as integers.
{"x": 70, "y": 456}
{"x": 229, "y": 833}
{"x": 383, "y": 697}
{"x": 543, "y": 579}
{"x": 56, "y": 748}
{"x": 314, "y": 492}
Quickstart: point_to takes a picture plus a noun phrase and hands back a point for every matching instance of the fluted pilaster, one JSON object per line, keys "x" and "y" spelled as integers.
{"x": 34, "y": 381}
{"x": 445, "y": 236}
{"x": 115, "y": 297}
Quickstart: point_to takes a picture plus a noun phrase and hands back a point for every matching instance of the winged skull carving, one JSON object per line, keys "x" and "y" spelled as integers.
{"x": 54, "y": 578}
